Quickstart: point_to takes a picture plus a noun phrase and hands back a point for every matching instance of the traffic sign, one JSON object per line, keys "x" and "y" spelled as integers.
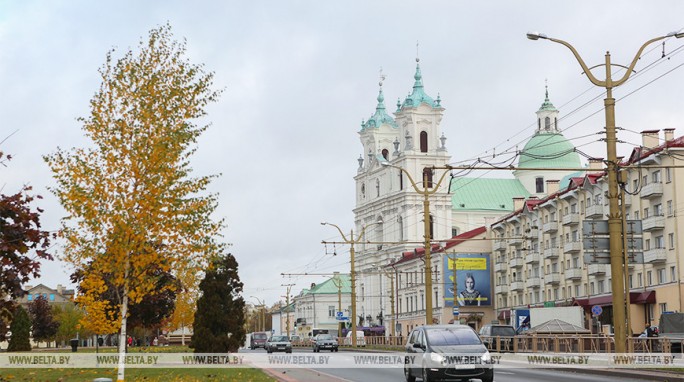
{"x": 455, "y": 310}
{"x": 596, "y": 310}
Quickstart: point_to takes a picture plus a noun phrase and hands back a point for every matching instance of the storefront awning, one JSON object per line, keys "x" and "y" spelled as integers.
{"x": 645, "y": 297}
{"x": 504, "y": 314}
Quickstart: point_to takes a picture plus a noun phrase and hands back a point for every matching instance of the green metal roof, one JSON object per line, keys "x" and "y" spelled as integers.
{"x": 418, "y": 95}
{"x": 485, "y": 194}
{"x": 329, "y": 286}
{"x": 549, "y": 150}
{"x": 380, "y": 117}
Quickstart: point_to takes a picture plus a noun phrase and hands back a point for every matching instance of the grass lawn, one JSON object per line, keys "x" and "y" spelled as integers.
{"x": 151, "y": 375}
{"x": 133, "y": 374}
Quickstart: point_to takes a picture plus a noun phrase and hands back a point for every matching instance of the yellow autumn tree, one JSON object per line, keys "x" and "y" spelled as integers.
{"x": 131, "y": 198}
{"x": 186, "y": 303}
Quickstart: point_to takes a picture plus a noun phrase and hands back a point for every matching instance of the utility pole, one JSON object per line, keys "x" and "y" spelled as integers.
{"x": 287, "y": 304}
{"x": 614, "y": 215}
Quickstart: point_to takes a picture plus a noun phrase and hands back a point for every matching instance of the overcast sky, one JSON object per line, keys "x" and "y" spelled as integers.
{"x": 299, "y": 76}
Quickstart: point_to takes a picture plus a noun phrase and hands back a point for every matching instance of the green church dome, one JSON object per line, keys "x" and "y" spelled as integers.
{"x": 549, "y": 150}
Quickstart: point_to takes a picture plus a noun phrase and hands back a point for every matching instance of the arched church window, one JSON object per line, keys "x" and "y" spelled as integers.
{"x": 423, "y": 142}
{"x": 547, "y": 123}
{"x": 377, "y": 187}
{"x": 555, "y": 123}
{"x": 538, "y": 124}
{"x": 363, "y": 190}
{"x": 385, "y": 154}
{"x": 427, "y": 174}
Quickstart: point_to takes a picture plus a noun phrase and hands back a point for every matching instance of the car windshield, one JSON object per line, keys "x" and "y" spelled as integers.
{"x": 260, "y": 336}
{"x": 450, "y": 337}
{"x": 278, "y": 338}
{"x": 324, "y": 337}
{"x": 504, "y": 331}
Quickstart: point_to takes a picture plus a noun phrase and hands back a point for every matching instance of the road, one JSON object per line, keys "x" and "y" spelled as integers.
{"x": 374, "y": 374}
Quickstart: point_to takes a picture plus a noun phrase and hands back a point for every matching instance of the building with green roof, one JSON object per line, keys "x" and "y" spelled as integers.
{"x": 317, "y": 307}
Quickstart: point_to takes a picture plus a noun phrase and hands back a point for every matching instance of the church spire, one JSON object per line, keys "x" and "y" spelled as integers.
{"x": 547, "y": 115}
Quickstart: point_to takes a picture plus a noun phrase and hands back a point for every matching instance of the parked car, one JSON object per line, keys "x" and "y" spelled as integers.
{"x": 446, "y": 352}
{"x": 326, "y": 342}
{"x": 360, "y": 338}
{"x": 258, "y": 340}
{"x": 490, "y": 333}
{"x": 278, "y": 343}
{"x": 295, "y": 339}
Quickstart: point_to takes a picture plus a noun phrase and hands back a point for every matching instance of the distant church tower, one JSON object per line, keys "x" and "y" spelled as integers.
{"x": 547, "y": 149}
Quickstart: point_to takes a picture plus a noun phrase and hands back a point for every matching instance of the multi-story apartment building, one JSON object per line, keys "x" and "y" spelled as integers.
{"x": 545, "y": 260}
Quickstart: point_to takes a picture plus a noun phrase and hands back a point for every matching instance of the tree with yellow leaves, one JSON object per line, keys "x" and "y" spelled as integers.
{"x": 132, "y": 201}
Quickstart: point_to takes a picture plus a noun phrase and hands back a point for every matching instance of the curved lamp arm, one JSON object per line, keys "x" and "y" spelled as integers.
{"x": 338, "y": 228}
{"x": 636, "y": 58}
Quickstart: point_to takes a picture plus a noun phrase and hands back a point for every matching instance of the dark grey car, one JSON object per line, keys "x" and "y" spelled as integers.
{"x": 446, "y": 353}
{"x": 324, "y": 342}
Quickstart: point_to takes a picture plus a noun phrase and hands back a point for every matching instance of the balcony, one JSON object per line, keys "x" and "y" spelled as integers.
{"x": 499, "y": 245}
{"x": 572, "y": 247}
{"x": 517, "y": 286}
{"x": 533, "y": 282}
{"x": 573, "y": 274}
{"x": 501, "y": 289}
{"x": 500, "y": 267}
{"x": 551, "y": 253}
{"x": 596, "y": 269}
{"x": 517, "y": 262}
{"x": 653, "y": 223}
{"x": 552, "y": 278}
{"x": 655, "y": 255}
{"x": 652, "y": 190}
{"x": 550, "y": 227}
{"x": 595, "y": 211}
{"x": 516, "y": 240}
{"x": 571, "y": 219}
{"x": 533, "y": 233}
{"x": 532, "y": 258}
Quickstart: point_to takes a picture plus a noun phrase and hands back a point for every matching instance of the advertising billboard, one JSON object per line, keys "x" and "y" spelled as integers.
{"x": 470, "y": 274}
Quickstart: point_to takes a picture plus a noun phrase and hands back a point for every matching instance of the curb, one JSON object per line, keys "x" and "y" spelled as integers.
{"x": 649, "y": 374}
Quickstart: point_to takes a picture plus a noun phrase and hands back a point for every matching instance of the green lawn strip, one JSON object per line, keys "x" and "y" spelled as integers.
{"x": 149, "y": 375}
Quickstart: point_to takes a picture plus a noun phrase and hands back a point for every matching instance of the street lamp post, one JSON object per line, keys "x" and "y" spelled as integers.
{"x": 351, "y": 241}
{"x": 614, "y": 218}
{"x": 426, "y": 191}
{"x": 260, "y": 316}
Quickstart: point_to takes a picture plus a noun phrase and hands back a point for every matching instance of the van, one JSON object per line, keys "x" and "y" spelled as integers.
{"x": 360, "y": 338}
{"x": 504, "y": 334}
{"x": 258, "y": 340}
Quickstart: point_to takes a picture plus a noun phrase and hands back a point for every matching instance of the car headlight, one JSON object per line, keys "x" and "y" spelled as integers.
{"x": 486, "y": 357}
{"x": 437, "y": 358}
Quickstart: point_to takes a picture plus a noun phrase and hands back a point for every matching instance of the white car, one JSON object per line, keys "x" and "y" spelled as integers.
{"x": 360, "y": 338}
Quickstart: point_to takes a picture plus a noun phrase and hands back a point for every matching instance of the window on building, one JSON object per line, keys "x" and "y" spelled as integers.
{"x": 52, "y": 297}
{"x": 649, "y": 278}
{"x": 663, "y": 307}
{"x": 454, "y": 231}
{"x": 661, "y": 276}
{"x": 631, "y": 281}
{"x": 644, "y": 181}
{"x": 646, "y": 213}
{"x": 636, "y": 215}
{"x": 591, "y": 288}
{"x": 639, "y": 280}
{"x": 635, "y": 184}
{"x": 539, "y": 184}
{"x": 670, "y": 239}
{"x": 577, "y": 290}
{"x": 668, "y": 175}
{"x": 331, "y": 311}
{"x": 377, "y": 188}
{"x": 423, "y": 142}
{"x": 656, "y": 176}
{"x": 385, "y": 154}
{"x": 659, "y": 242}
{"x": 658, "y": 210}
{"x": 670, "y": 212}
{"x": 30, "y": 297}
{"x": 673, "y": 274}
{"x": 647, "y": 244}
{"x": 547, "y": 123}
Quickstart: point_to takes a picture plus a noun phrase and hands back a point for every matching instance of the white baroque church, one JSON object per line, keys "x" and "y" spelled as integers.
{"x": 391, "y": 211}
